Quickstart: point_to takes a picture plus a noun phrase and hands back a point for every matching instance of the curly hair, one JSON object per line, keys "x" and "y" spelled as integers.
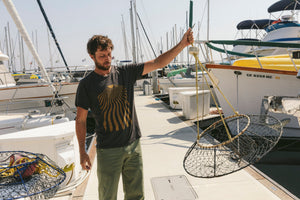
{"x": 99, "y": 41}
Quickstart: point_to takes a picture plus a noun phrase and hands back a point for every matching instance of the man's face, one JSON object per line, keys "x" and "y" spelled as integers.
{"x": 102, "y": 59}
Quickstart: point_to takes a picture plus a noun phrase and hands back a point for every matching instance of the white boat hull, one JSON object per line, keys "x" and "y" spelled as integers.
{"x": 251, "y": 86}
{"x": 23, "y": 92}
{"x": 27, "y": 97}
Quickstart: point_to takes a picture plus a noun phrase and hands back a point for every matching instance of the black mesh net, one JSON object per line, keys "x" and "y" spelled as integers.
{"x": 218, "y": 151}
{"x": 25, "y": 174}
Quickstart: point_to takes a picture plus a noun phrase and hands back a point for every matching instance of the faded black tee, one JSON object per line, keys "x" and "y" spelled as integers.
{"x": 111, "y": 101}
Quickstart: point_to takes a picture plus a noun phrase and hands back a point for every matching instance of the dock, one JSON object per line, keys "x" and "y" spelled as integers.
{"x": 165, "y": 140}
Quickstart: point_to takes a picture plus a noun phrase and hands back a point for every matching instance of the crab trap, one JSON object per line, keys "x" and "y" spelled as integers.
{"x": 25, "y": 174}
{"x": 233, "y": 142}
{"x": 215, "y": 153}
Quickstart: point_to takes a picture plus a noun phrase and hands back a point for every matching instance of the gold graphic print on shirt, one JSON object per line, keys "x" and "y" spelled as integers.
{"x": 115, "y": 107}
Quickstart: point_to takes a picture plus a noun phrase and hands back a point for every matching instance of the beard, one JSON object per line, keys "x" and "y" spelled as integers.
{"x": 104, "y": 67}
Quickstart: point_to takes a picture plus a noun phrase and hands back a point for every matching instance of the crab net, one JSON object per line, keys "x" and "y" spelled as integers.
{"x": 215, "y": 153}
{"x": 25, "y": 174}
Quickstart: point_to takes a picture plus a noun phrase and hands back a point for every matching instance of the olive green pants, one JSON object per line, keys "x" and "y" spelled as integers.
{"x": 113, "y": 162}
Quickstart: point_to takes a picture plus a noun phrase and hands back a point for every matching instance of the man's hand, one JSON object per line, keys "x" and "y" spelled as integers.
{"x": 188, "y": 38}
{"x": 85, "y": 161}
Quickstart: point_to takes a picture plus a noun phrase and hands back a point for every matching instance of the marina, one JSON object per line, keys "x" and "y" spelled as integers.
{"x": 196, "y": 143}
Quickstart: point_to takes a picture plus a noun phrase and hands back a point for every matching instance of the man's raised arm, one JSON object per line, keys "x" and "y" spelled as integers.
{"x": 169, "y": 55}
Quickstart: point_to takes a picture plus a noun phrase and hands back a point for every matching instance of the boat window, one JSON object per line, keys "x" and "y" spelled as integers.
{"x": 296, "y": 54}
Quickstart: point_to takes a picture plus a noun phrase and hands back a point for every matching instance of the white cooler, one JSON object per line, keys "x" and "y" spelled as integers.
{"x": 189, "y": 107}
{"x": 175, "y": 97}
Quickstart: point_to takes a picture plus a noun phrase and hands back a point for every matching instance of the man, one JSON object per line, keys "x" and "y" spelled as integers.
{"x": 108, "y": 92}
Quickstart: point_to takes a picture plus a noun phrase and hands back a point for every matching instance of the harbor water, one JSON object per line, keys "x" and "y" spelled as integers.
{"x": 282, "y": 165}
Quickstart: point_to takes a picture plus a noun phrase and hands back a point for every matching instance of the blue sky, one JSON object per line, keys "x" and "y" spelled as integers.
{"x": 75, "y": 21}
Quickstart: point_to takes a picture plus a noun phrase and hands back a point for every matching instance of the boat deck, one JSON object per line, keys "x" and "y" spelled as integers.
{"x": 165, "y": 140}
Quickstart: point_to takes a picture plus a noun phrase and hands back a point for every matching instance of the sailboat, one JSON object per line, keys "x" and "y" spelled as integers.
{"x": 52, "y": 135}
{"x": 15, "y": 97}
{"x": 269, "y": 82}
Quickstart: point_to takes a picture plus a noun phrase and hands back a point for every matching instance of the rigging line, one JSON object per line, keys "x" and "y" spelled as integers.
{"x": 215, "y": 84}
{"x": 197, "y": 99}
{"x": 146, "y": 54}
{"x": 217, "y": 106}
{"x": 203, "y": 99}
{"x": 147, "y": 21}
{"x": 52, "y": 33}
{"x": 146, "y": 34}
{"x": 203, "y": 68}
{"x": 197, "y": 102}
{"x": 203, "y": 13}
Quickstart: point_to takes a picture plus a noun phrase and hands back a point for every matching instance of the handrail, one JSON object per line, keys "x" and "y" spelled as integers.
{"x": 227, "y": 51}
{"x": 247, "y": 43}
{"x": 255, "y": 43}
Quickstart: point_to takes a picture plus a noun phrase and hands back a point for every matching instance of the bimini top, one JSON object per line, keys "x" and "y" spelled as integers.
{"x": 254, "y": 24}
{"x": 284, "y": 5}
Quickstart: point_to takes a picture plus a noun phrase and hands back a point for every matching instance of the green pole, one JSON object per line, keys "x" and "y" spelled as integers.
{"x": 191, "y": 14}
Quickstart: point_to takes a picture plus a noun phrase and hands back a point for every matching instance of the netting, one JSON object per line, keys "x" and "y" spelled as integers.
{"x": 25, "y": 174}
{"x": 215, "y": 153}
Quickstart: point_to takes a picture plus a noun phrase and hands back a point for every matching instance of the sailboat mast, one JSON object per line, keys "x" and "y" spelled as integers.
{"x": 124, "y": 38}
{"x": 50, "y": 54}
{"x": 207, "y": 36}
{"x": 11, "y": 55}
{"x": 14, "y": 14}
{"x": 52, "y": 33}
{"x": 132, "y": 34}
{"x": 7, "y": 49}
{"x": 21, "y": 52}
{"x": 137, "y": 35}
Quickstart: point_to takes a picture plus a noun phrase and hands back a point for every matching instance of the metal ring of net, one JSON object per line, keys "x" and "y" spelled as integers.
{"x": 214, "y": 155}
{"x": 25, "y": 174}
{"x": 225, "y": 138}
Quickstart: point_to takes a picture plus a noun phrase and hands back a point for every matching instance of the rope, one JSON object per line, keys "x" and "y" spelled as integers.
{"x": 16, "y": 165}
{"x": 197, "y": 117}
{"x": 36, "y": 164}
{"x": 215, "y": 85}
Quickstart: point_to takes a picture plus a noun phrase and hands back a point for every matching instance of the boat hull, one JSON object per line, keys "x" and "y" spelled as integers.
{"x": 246, "y": 91}
{"x": 28, "y": 97}
{"x": 165, "y": 83}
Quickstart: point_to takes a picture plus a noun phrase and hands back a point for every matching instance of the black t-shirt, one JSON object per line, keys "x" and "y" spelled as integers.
{"x": 111, "y": 101}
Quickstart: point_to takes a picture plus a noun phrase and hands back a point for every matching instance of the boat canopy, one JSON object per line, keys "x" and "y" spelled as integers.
{"x": 254, "y": 24}
{"x": 284, "y": 5}
{"x": 175, "y": 72}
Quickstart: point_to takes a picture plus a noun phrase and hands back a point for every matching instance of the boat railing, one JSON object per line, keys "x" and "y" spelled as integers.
{"x": 58, "y": 74}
